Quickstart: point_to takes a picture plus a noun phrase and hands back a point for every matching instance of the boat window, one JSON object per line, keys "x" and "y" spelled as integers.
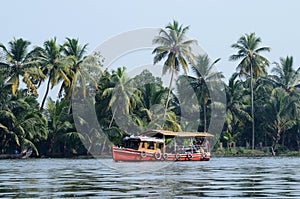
{"x": 131, "y": 144}
{"x": 150, "y": 145}
{"x": 159, "y": 145}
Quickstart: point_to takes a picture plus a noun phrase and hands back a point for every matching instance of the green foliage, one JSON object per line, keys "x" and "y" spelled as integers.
{"x": 143, "y": 103}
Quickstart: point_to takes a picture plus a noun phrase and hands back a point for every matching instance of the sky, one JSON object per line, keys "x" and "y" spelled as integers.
{"x": 216, "y": 24}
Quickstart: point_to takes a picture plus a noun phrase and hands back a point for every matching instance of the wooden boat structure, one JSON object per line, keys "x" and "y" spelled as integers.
{"x": 161, "y": 145}
{"x": 25, "y": 154}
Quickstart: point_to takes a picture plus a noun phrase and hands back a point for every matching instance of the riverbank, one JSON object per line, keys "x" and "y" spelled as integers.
{"x": 243, "y": 152}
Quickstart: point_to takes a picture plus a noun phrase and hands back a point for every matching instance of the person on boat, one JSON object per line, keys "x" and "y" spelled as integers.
{"x": 206, "y": 145}
{"x": 16, "y": 151}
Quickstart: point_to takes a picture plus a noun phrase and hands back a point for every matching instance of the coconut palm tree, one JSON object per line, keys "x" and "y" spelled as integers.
{"x": 21, "y": 123}
{"x": 252, "y": 63}
{"x": 281, "y": 116}
{"x": 236, "y": 115}
{"x": 21, "y": 63}
{"x": 285, "y": 76}
{"x": 61, "y": 127}
{"x": 175, "y": 49}
{"x": 204, "y": 74}
{"x": 81, "y": 67}
{"x": 56, "y": 67}
{"x": 152, "y": 98}
{"x": 120, "y": 93}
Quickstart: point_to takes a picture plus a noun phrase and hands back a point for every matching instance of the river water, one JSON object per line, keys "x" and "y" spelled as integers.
{"x": 265, "y": 177}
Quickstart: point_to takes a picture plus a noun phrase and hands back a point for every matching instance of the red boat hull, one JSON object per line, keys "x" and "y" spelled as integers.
{"x": 125, "y": 154}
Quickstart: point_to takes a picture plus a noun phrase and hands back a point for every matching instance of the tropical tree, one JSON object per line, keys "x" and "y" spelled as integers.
{"x": 55, "y": 66}
{"x": 281, "y": 116}
{"x": 61, "y": 127}
{"x": 20, "y": 63}
{"x": 175, "y": 49}
{"x": 252, "y": 63}
{"x": 204, "y": 75}
{"x": 22, "y": 125}
{"x": 121, "y": 94}
{"x": 152, "y": 98}
{"x": 81, "y": 67}
{"x": 285, "y": 76}
{"x": 236, "y": 115}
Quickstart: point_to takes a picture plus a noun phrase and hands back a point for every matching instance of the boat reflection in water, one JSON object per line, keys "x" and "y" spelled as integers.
{"x": 161, "y": 145}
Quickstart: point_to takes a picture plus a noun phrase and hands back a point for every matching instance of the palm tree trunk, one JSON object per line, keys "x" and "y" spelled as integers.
{"x": 112, "y": 119}
{"x": 252, "y": 106}
{"x": 167, "y": 102}
{"x": 46, "y": 94}
{"x": 275, "y": 142}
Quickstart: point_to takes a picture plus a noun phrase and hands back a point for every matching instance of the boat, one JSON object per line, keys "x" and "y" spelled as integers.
{"x": 162, "y": 145}
{"x": 25, "y": 154}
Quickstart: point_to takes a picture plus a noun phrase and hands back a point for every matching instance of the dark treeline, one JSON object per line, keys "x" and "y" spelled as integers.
{"x": 262, "y": 108}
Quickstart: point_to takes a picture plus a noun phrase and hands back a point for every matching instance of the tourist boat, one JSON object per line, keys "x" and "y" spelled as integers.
{"x": 161, "y": 145}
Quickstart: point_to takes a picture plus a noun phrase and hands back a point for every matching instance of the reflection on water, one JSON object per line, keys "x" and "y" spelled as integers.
{"x": 88, "y": 178}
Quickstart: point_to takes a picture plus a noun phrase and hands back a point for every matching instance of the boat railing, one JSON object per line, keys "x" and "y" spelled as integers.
{"x": 188, "y": 149}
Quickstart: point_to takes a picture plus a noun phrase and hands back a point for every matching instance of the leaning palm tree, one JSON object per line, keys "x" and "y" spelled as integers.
{"x": 252, "y": 63}
{"x": 20, "y": 63}
{"x": 175, "y": 49}
{"x": 54, "y": 66}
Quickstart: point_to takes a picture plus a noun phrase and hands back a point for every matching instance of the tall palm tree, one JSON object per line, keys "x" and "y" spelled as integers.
{"x": 81, "y": 67}
{"x": 175, "y": 48}
{"x": 21, "y": 63}
{"x": 54, "y": 66}
{"x": 252, "y": 63}
{"x": 203, "y": 70}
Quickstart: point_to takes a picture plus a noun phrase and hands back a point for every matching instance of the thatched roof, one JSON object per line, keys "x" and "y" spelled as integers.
{"x": 161, "y": 133}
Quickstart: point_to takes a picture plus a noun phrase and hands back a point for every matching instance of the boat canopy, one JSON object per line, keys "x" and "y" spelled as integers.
{"x": 171, "y": 134}
{"x": 144, "y": 139}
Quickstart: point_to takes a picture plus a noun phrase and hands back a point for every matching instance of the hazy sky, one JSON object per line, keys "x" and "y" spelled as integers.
{"x": 215, "y": 24}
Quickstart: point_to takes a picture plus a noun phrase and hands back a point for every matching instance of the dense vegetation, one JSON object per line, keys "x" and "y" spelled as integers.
{"x": 262, "y": 108}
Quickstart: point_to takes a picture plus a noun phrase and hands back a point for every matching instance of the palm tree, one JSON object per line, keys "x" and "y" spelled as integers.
{"x": 252, "y": 63}
{"x": 61, "y": 127}
{"x": 236, "y": 115}
{"x": 285, "y": 76}
{"x": 120, "y": 94}
{"x": 80, "y": 71}
{"x": 21, "y": 122}
{"x": 281, "y": 116}
{"x": 19, "y": 62}
{"x": 152, "y": 98}
{"x": 54, "y": 66}
{"x": 203, "y": 70}
{"x": 175, "y": 48}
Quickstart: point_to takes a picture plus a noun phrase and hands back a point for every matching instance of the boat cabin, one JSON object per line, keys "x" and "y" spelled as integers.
{"x": 182, "y": 142}
{"x": 143, "y": 143}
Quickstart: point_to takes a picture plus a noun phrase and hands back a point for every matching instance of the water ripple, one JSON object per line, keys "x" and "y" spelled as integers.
{"x": 88, "y": 178}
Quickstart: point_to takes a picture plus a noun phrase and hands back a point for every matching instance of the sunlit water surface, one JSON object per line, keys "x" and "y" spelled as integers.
{"x": 90, "y": 178}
